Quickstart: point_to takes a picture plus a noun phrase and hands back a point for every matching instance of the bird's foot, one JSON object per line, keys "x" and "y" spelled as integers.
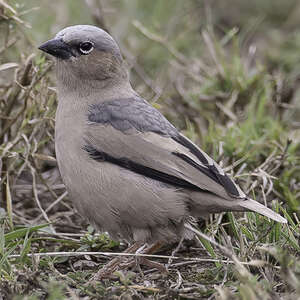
{"x": 121, "y": 263}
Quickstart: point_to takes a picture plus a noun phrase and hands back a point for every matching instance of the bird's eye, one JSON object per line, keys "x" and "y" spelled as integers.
{"x": 86, "y": 47}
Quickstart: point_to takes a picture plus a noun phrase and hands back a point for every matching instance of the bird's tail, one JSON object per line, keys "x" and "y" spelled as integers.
{"x": 250, "y": 204}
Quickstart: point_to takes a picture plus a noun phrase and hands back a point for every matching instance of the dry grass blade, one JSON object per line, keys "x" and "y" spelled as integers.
{"x": 8, "y": 66}
{"x": 9, "y": 203}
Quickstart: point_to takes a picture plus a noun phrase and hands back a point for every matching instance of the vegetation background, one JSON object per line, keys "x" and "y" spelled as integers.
{"x": 226, "y": 73}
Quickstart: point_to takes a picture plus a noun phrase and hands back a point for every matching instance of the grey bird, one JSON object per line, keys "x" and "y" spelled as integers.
{"x": 127, "y": 169}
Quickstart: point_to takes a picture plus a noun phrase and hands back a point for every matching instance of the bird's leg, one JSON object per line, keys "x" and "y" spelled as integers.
{"x": 114, "y": 264}
{"x": 153, "y": 264}
{"x": 153, "y": 248}
{"x": 119, "y": 263}
{"x": 144, "y": 261}
{"x": 174, "y": 252}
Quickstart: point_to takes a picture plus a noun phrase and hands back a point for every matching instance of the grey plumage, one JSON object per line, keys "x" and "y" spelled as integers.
{"x": 131, "y": 113}
{"x": 126, "y": 167}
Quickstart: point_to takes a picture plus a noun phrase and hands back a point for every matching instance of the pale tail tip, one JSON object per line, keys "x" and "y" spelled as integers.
{"x": 283, "y": 220}
{"x": 261, "y": 209}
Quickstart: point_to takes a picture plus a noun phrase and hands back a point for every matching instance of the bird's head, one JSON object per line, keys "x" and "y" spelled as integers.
{"x": 85, "y": 53}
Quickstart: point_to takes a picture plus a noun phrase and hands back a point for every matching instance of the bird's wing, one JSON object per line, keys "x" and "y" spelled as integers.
{"x": 136, "y": 136}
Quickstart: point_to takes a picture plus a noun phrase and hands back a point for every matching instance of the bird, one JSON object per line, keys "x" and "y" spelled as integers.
{"x": 127, "y": 169}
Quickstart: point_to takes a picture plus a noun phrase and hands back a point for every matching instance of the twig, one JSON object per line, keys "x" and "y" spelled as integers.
{"x": 26, "y": 96}
{"x": 226, "y": 111}
{"x": 19, "y": 85}
{"x": 36, "y": 198}
{"x": 96, "y": 11}
{"x": 160, "y": 40}
{"x": 60, "y": 198}
{"x": 188, "y": 260}
{"x": 213, "y": 53}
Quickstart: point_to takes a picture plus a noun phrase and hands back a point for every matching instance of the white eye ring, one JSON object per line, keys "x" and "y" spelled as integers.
{"x": 86, "y": 47}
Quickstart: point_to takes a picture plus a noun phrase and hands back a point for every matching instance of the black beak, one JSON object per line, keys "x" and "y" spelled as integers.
{"x": 57, "y": 48}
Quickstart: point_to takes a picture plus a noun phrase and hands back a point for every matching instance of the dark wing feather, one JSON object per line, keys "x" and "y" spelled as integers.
{"x": 134, "y": 166}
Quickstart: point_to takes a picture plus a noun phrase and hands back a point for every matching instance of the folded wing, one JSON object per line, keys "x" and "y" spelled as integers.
{"x": 136, "y": 136}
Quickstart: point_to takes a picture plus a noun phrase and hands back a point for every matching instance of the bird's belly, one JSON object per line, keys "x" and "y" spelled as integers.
{"x": 117, "y": 200}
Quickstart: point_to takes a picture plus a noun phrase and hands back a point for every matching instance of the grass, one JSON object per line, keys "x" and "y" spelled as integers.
{"x": 232, "y": 92}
